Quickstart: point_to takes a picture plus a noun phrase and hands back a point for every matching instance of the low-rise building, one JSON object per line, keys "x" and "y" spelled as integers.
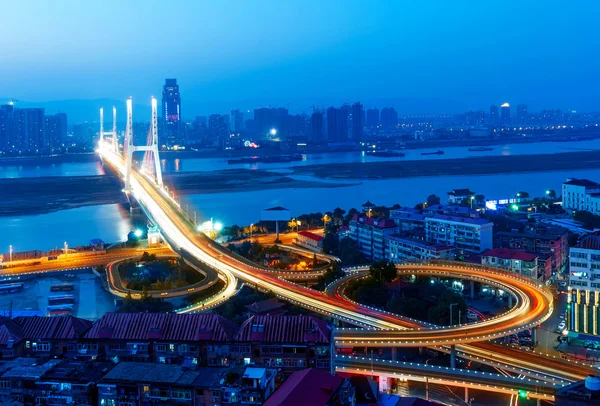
{"x": 310, "y": 240}
{"x": 408, "y": 221}
{"x": 457, "y": 196}
{"x": 405, "y": 248}
{"x": 581, "y": 194}
{"x": 539, "y": 238}
{"x": 370, "y": 235}
{"x": 467, "y": 235}
{"x": 519, "y": 262}
{"x": 584, "y": 266}
{"x": 287, "y": 342}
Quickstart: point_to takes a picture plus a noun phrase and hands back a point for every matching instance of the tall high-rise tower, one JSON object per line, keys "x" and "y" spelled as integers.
{"x": 505, "y": 113}
{"x": 171, "y": 114}
{"x": 357, "y": 121}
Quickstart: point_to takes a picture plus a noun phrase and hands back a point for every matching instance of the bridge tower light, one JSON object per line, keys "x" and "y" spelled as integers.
{"x": 101, "y": 126}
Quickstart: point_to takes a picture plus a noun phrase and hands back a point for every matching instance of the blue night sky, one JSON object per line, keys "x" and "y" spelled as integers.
{"x": 454, "y": 55}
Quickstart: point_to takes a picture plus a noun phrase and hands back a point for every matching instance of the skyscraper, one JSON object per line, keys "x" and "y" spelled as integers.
{"x": 171, "y": 114}
{"x": 29, "y": 129}
{"x": 316, "y": 134}
{"x": 494, "y": 114}
{"x": 522, "y": 117}
{"x": 332, "y": 114}
{"x": 389, "y": 117}
{"x": 6, "y": 127}
{"x": 357, "y": 121}
{"x": 505, "y": 113}
{"x": 56, "y": 129}
{"x": 372, "y": 118}
{"x": 237, "y": 121}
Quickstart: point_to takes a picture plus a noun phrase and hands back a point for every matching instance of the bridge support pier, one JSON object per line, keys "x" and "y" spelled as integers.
{"x": 538, "y": 402}
{"x": 472, "y": 290}
{"x": 394, "y": 353}
{"x": 534, "y": 336}
{"x": 467, "y": 396}
{"x": 510, "y": 300}
{"x": 453, "y": 356}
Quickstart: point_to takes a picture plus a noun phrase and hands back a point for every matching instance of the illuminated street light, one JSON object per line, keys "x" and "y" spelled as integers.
{"x": 218, "y": 226}
{"x": 273, "y": 131}
{"x": 138, "y": 233}
{"x": 251, "y": 227}
{"x": 10, "y": 253}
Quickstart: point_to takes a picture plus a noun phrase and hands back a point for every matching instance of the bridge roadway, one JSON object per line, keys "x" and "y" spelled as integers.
{"x": 172, "y": 223}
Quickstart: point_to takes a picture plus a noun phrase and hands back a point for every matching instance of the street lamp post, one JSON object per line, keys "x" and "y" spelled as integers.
{"x": 251, "y": 227}
{"x": 451, "y": 319}
{"x": 66, "y": 248}
{"x": 472, "y": 198}
{"x": 298, "y": 224}
{"x": 10, "y": 253}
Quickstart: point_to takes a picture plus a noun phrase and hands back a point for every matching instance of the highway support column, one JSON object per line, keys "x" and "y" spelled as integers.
{"x": 453, "y": 356}
{"x": 538, "y": 402}
{"x": 467, "y": 396}
{"x": 534, "y": 336}
{"x": 510, "y": 299}
{"x": 393, "y": 353}
{"x": 472, "y": 290}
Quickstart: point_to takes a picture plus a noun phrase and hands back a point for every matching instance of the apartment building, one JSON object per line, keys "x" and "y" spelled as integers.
{"x": 370, "y": 235}
{"x": 519, "y": 262}
{"x": 581, "y": 194}
{"x": 405, "y": 248}
{"x": 584, "y": 264}
{"x": 467, "y": 235}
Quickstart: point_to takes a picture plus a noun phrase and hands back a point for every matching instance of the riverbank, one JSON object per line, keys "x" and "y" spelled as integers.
{"x": 462, "y": 166}
{"x": 26, "y": 196}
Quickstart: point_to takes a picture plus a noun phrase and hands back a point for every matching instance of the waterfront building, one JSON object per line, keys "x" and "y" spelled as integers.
{"x": 519, "y": 262}
{"x": 494, "y": 118}
{"x": 468, "y": 235}
{"x": 522, "y": 116}
{"x": 372, "y": 118}
{"x": 237, "y": 121}
{"x": 370, "y": 234}
{"x": 6, "y": 127}
{"x": 357, "y": 121}
{"x": 316, "y": 134}
{"x": 457, "y": 196}
{"x": 474, "y": 118}
{"x": 171, "y": 114}
{"x": 389, "y": 118}
{"x": 29, "y": 130}
{"x": 56, "y": 129}
{"x": 584, "y": 265}
{"x": 505, "y": 113}
{"x": 409, "y": 220}
{"x": 581, "y": 194}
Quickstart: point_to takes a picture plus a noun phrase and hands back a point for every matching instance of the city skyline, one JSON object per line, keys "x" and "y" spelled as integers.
{"x": 400, "y": 52}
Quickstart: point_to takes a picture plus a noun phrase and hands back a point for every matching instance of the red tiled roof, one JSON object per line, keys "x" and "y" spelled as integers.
{"x": 307, "y": 387}
{"x": 506, "y": 253}
{"x": 590, "y": 242}
{"x": 312, "y": 236}
{"x": 283, "y": 329}
{"x": 162, "y": 326}
{"x": 44, "y": 328}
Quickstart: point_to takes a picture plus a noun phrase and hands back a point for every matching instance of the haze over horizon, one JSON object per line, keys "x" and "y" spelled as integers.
{"x": 430, "y": 57}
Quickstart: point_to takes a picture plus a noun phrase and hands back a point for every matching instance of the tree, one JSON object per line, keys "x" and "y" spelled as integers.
{"x": 523, "y": 195}
{"x": 348, "y": 253}
{"x": 440, "y": 313}
{"x": 432, "y": 200}
{"x": 292, "y": 224}
{"x": 551, "y": 193}
{"x": 479, "y": 199}
{"x": 351, "y": 213}
{"x": 338, "y": 215}
{"x": 383, "y": 271}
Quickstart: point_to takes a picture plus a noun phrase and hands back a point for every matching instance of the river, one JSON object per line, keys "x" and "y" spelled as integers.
{"x": 110, "y": 223}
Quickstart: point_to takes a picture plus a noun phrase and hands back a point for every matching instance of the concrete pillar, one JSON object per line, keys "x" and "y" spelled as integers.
{"x": 534, "y": 336}
{"x": 421, "y": 350}
{"x": 472, "y": 289}
{"x": 510, "y": 300}
{"x": 538, "y": 402}
{"x": 453, "y": 356}
{"x": 467, "y": 396}
{"x": 394, "y": 353}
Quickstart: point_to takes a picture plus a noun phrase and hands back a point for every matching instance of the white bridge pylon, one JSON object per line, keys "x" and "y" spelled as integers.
{"x": 130, "y": 148}
{"x": 113, "y": 133}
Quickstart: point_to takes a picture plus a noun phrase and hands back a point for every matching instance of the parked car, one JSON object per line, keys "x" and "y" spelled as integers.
{"x": 562, "y": 326}
{"x": 563, "y": 284}
{"x": 561, "y": 316}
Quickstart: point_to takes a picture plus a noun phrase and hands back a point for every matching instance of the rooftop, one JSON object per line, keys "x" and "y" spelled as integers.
{"x": 81, "y": 371}
{"x": 581, "y": 182}
{"x": 162, "y": 326}
{"x": 43, "y": 328}
{"x": 265, "y": 306}
{"x": 254, "y": 373}
{"x": 421, "y": 243}
{"x": 506, "y": 253}
{"x": 307, "y": 387}
{"x": 312, "y": 236}
{"x": 29, "y": 370}
{"x": 147, "y": 372}
{"x": 457, "y": 219}
{"x": 284, "y": 329}
{"x": 379, "y": 223}
{"x": 590, "y": 242}
{"x": 461, "y": 192}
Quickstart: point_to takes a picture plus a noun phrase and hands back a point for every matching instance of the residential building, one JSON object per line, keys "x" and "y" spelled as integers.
{"x": 313, "y": 387}
{"x": 167, "y": 338}
{"x": 310, "y": 240}
{"x": 357, "y": 121}
{"x": 519, "y": 262}
{"x": 467, "y": 235}
{"x": 539, "y": 238}
{"x": 237, "y": 121}
{"x": 409, "y": 220}
{"x": 581, "y": 194}
{"x": 372, "y": 118}
{"x": 522, "y": 116}
{"x": 6, "y": 127}
{"x": 370, "y": 235}
{"x": 171, "y": 114}
{"x": 37, "y": 336}
{"x": 56, "y": 130}
{"x": 316, "y": 135}
{"x": 474, "y": 118}
{"x": 451, "y": 210}
{"x": 337, "y": 124}
{"x": 288, "y": 342}
{"x": 389, "y": 118}
{"x": 457, "y": 196}
{"x": 405, "y": 249}
{"x": 29, "y": 130}
{"x": 584, "y": 266}
{"x": 505, "y": 110}
{"x": 494, "y": 117}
